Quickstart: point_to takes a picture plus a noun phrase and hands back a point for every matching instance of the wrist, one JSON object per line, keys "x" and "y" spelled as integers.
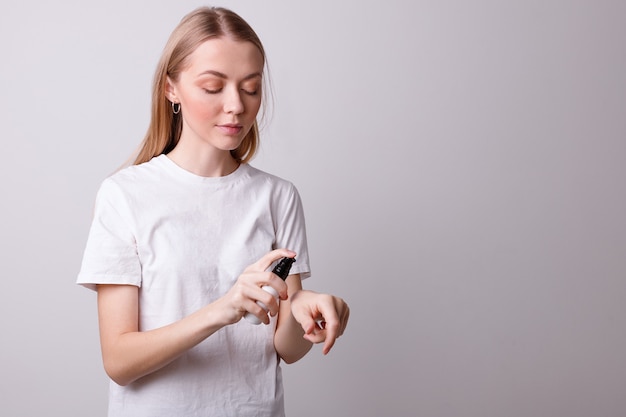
{"x": 217, "y": 315}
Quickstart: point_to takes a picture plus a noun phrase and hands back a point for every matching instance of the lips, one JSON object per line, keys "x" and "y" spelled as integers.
{"x": 230, "y": 128}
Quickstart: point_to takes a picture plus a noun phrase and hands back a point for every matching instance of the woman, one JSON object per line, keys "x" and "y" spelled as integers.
{"x": 182, "y": 242}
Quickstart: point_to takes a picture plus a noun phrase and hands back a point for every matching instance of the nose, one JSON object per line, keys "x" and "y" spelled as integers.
{"x": 232, "y": 101}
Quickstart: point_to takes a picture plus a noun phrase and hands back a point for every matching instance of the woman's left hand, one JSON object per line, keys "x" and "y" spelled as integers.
{"x": 310, "y": 308}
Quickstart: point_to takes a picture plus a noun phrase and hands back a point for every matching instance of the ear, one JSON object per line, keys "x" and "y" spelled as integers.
{"x": 170, "y": 90}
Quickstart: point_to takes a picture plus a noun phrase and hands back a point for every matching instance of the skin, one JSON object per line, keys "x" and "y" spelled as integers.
{"x": 220, "y": 95}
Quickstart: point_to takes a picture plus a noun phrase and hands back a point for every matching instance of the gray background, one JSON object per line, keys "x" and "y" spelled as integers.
{"x": 462, "y": 170}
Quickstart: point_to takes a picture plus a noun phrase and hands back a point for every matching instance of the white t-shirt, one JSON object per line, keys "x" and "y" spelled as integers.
{"x": 184, "y": 240}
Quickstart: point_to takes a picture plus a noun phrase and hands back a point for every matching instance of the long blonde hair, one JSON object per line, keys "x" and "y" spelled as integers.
{"x": 198, "y": 26}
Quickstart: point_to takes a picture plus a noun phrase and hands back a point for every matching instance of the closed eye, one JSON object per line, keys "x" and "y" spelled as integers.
{"x": 250, "y": 92}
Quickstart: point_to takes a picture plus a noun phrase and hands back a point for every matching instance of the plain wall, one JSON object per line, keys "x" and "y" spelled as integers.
{"x": 462, "y": 166}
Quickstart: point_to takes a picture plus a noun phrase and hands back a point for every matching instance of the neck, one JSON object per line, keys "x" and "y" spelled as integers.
{"x": 205, "y": 163}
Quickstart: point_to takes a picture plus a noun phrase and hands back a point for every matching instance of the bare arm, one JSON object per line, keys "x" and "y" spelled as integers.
{"x": 128, "y": 354}
{"x": 288, "y": 339}
{"x": 297, "y": 327}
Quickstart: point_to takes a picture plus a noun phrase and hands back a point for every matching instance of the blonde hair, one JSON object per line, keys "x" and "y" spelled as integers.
{"x": 195, "y": 28}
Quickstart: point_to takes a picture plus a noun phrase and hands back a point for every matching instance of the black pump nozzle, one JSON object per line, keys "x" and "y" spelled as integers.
{"x": 283, "y": 267}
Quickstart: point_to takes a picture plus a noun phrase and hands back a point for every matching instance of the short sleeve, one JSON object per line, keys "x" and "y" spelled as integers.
{"x": 110, "y": 255}
{"x": 291, "y": 231}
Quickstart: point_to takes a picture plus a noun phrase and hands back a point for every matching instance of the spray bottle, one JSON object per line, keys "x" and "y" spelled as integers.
{"x": 282, "y": 270}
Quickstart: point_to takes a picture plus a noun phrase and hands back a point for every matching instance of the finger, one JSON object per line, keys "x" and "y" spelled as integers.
{"x": 251, "y": 295}
{"x": 315, "y": 337}
{"x": 308, "y": 325}
{"x": 271, "y": 257}
{"x": 267, "y": 295}
{"x": 276, "y": 284}
{"x": 344, "y": 316}
{"x": 258, "y": 311}
{"x": 344, "y": 320}
{"x": 332, "y": 332}
{"x": 331, "y": 328}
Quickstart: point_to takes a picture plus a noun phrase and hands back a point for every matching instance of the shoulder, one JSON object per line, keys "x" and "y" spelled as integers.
{"x": 147, "y": 171}
{"x": 271, "y": 180}
{"x": 132, "y": 182}
{"x": 152, "y": 172}
{"x": 283, "y": 195}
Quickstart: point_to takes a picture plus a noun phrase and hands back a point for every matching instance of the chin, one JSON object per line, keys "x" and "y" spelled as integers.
{"x": 231, "y": 146}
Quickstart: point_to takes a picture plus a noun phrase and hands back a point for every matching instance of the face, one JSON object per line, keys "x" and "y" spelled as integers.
{"x": 219, "y": 91}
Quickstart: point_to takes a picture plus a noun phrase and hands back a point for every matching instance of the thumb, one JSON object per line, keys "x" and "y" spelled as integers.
{"x": 308, "y": 325}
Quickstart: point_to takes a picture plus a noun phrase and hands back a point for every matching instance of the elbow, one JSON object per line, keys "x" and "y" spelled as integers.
{"x": 119, "y": 379}
{"x": 290, "y": 359}
{"x": 120, "y": 382}
{"x": 294, "y": 355}
{"x": 117, "y": 374}
{"x": 290, "y": 348}
{"x": 120, "y": 368}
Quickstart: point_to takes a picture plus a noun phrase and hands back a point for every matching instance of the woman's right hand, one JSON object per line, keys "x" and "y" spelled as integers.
{"x": 242, "y": 297}
{"x": 129, "y": 353}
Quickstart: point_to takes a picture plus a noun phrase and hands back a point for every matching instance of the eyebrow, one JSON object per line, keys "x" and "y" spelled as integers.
{"x": 224, "y": 76}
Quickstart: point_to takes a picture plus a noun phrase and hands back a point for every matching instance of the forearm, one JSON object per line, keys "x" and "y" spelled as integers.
{"x": 130, "y": 354}
{"x": 288, "y": 339}
{"x": 135, "y": 354}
